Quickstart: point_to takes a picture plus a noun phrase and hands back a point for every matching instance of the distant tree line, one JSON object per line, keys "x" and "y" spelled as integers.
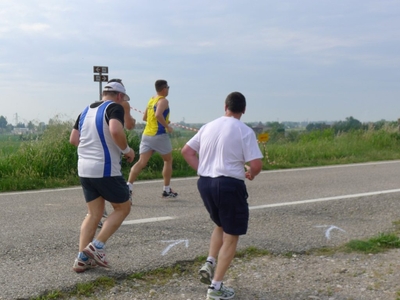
{"x": 291, "y": 131}
{"x": 349, "y": 124}
{"x": 6, "y": 127}
{"x": 275, "y": 129}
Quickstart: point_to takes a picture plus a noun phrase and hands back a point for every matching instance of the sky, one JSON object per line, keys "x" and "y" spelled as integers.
{"x": 308, "y": 60}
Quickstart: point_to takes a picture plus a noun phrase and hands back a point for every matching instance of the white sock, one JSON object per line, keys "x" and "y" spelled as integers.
{"x": 216, "y": 285}
{"x": 167, "y": 188}
{"x": 211, "y": 260}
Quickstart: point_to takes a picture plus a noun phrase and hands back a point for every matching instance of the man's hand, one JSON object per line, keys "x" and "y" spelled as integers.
{"x": 169, "y": 129}
{"x": 248, "y": 173}
{"x": 130, "y": 156}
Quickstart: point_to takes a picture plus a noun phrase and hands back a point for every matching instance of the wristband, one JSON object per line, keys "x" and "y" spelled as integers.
{"x": 127, "y": 150}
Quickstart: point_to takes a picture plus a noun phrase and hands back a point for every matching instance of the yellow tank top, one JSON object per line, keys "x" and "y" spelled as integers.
{"x": 153, "y": 127}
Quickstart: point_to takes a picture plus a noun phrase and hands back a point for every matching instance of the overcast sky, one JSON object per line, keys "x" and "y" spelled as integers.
{"x": 293, "y": 60}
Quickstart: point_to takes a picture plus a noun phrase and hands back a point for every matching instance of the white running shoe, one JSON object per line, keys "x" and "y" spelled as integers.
{"x": 99, "y": 255}
{"x": 206, "y": 273}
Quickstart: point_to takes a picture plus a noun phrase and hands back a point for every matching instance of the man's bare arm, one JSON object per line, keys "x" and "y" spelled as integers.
{"x": 119, "y": 137}
{"x": 190, "y": 156}
{"x": 162, "y": 105}
{"x": 253, "y": 168}
{"x": 128, "y": 119}
{"x": 74, "y": 137}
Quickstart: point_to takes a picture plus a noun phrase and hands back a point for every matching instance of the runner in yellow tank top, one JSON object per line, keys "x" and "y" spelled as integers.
{"x": 155, "y": 138}
{"x": 153, "y": 126}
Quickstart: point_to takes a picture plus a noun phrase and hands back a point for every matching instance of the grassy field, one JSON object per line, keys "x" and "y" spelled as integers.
{"x": 50, "y": 161}
{"x": 9, "y": 144}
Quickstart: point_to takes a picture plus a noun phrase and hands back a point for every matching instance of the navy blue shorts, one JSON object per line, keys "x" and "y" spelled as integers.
{"x": 113, "y": 189}
{"x": 226, "y": 201}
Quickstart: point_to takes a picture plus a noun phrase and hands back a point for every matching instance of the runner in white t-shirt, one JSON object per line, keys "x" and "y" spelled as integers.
{"x": 219, "y": 152}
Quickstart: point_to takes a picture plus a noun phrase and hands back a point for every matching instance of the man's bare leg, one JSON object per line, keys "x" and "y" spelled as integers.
{"x": 167, "y": 169}
{"x": 225, "y": 255}
{"x": 222, "y": 246}
{"x": 89, "y": 224}
{"x": 114, "y": 220}
{"x": 139, "y": 166}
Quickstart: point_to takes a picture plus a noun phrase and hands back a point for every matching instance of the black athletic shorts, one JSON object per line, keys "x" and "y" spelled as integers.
{"x": 226, "y": 201}
{"x": 113, "y": 189}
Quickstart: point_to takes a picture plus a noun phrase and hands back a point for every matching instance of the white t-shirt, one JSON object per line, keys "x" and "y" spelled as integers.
{"x": 224, "y": 146}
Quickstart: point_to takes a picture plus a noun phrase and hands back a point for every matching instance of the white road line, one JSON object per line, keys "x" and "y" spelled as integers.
{"x": 159, "y": 219}
{"x": 324, "y": 199}
{"x": 149, "y": 220}
{"x": 334, "y": 166}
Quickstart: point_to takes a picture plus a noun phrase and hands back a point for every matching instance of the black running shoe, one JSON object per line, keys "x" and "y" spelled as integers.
{"x": 170, "y": 194}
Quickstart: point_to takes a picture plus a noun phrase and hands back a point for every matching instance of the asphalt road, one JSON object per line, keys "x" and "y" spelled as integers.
{"x": 291, "y": 210}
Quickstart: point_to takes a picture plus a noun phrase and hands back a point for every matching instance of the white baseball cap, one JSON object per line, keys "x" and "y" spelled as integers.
{"x": 116, "y": 87}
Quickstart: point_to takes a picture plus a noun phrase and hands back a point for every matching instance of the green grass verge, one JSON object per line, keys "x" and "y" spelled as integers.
{"x": 375, "y": 244}
{"x": 51, "y": 162}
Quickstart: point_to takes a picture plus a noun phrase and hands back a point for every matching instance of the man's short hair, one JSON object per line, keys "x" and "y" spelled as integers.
{"x": 116, "y": 80}
{"x": 160, "y": 84}
{"x": 236, "y": 102}
{"x": 111, "y": 94}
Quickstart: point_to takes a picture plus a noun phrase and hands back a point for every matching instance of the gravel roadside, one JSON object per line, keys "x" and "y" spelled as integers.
{"x": 338, "y": 276}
